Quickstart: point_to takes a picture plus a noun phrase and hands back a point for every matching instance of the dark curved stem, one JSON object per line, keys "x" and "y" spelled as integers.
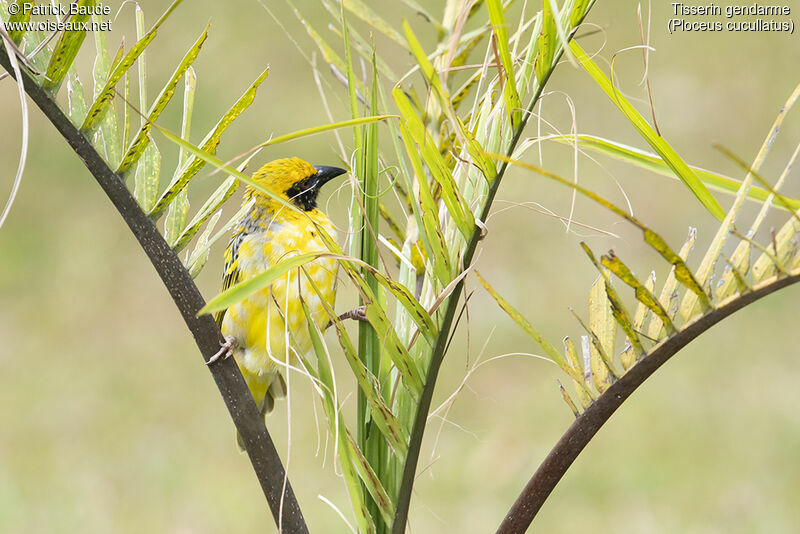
{"x": 437, "y": 356}
{"x": 258, "y": 443}
{"x": 586, "y": 425}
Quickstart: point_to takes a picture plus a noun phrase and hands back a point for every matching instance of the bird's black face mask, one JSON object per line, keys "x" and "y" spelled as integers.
{"x": 304, "y": 193}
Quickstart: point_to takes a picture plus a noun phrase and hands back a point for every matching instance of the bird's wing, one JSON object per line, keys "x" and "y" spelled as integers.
{"x": 231, "y": 273}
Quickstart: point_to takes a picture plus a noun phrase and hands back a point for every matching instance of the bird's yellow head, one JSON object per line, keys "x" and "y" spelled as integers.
{"x": 293, "y": 179}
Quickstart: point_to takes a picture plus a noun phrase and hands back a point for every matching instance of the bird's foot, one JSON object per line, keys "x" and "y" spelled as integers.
{"x": 357, "y": 314}
{"x": 225, "y": 351}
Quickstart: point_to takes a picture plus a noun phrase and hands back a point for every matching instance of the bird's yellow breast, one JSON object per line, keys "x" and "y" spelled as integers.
{"x": 270, "y": 325}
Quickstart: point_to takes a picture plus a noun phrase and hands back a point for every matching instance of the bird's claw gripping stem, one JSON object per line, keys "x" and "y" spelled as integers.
{"x": 225, "y": 351}
{"x": 357, "y": 314}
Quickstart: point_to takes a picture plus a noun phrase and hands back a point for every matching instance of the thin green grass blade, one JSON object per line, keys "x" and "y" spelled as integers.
{"x": 336, "y": 422}
{"x": 392, "y": 344}
{"x": 652, "y": 162}
{"x": 388, "y": 425}
{"x": 326, "y": 128}
{"x": 415, "y": 310}
{"x": 372, "y": 482}
{"x": 330, "y": 56}
{"x": 570, "y": 403}
{"x": 425, "y": 14}
{"x": 67, "y": 48}
{"x": 360, "y": 44}
{"x": 219, "y": 164}
{"x": 529, "y": 63}
{"x": 456, "y": 205}
{"x": 546, "y": 43}
{"x": 682, "y": 272}
{"x": 373, "y": 20}
{"x": 430, "y": 232}
{"x": 578, "y": 12}
{"x": 242, "y": 290}
{"x": 209, "y": 148}
{"x": 137, "y": 146}
{"x": 658, "y": 143}
{"x": 103, "y": 100}
{"x": 510, "y": 95}
{"x": 141, "y": 64}
{"x": 529, "y": 329}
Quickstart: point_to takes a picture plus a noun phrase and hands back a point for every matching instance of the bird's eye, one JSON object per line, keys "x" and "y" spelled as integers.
{"x": 304, "y": 184}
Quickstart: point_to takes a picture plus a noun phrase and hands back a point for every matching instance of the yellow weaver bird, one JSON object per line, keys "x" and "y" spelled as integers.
{"x": 264, "y": 329}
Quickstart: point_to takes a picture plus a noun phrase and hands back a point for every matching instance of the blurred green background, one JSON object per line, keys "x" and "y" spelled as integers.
{"x": 109, "y": 422}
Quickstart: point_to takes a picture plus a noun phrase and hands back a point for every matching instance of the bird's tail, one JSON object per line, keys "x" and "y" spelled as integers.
{"x": 265, "y": 390}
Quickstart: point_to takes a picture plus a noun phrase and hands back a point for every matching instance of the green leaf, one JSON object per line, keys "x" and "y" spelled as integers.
{"x": 208, "y": 158}
{"x": 416, "y": 311}
{"x": 67, "y": 48}
{"x": 529, "y": 329}
{"x": 146, "y": 179}
{"x": 17, "y": 20}
{"x": 189, "y": 88}
{"x": 242, "y": 290}
{"x": 102, "y": 102}
{"x": 200, "y": 249}
{"x": 372, "y": 19}
{"x": 784, "y": 249}
{"x": 214, "y": 202}
{"x": 386, "y": 422}
{"x": 652, "y": 162}
{"x": 333, "y": 413}
{"x": 412, "y": 378}
{"x": 197, "y": 260}
{"x": 568, "y": 400}
{"x": 643, "y": 295}
{"x": 456, "y": 205}
{"x": 140, "y": 142}
{"x": 178, "y": 211}
{"x": 108, "y": 131}
{"x": 176, "y": 218}
{"x": 510, "y": 95}
{"x": 640, "y": 316}
{"x": 579, "y": 9}
{"x": 76, "y": 101}
{"x": 669, "y": 292}
{"x": 209, "y": 148}
{"x": 682, "y": 272}
{"x": 603, "y": 330}
{"x": 658, "y": 143}
{"x": 546, "y": 43}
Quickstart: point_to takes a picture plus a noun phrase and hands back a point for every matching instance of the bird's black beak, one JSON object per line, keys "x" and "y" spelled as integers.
{"x": 325, "y": 174}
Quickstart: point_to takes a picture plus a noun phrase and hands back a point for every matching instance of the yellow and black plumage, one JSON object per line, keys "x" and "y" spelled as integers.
{"x": 265, "y": 329}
